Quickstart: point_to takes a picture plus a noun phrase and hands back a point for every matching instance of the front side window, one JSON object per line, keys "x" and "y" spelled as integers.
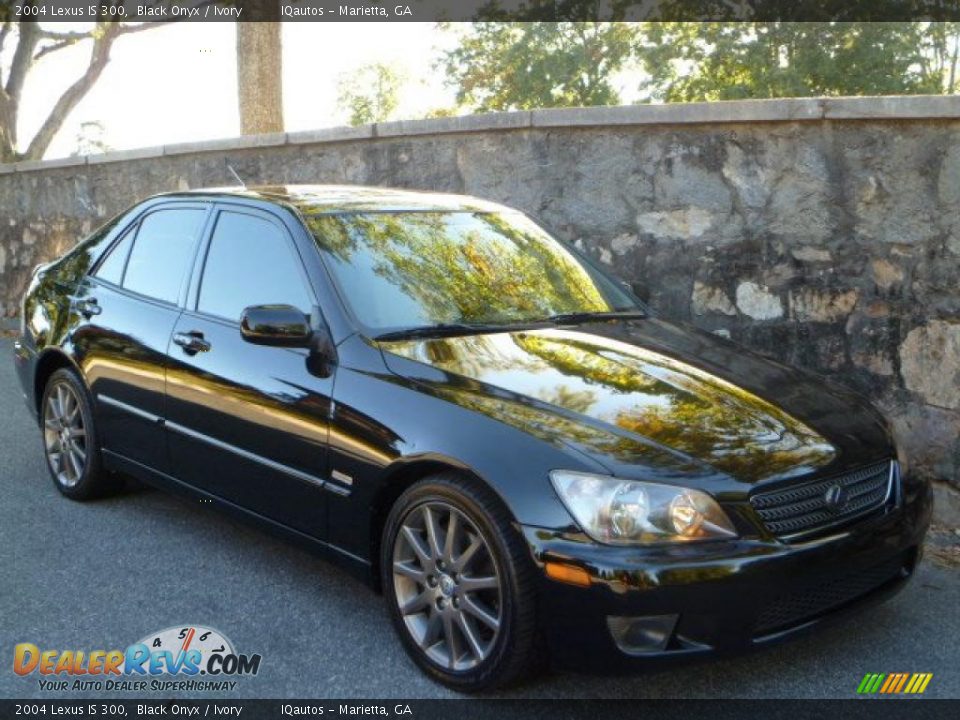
{"x": 161, "y": 253}
{"x": 250, "y": 262}
{"x": 413, "y": 269}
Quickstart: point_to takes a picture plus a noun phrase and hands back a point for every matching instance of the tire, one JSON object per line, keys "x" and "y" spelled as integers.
{"x": 437, "y": 590}
{"x": 70, "y": 442}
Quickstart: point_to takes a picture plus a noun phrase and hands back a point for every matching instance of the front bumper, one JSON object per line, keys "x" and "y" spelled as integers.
{"x": 728, "y": 596}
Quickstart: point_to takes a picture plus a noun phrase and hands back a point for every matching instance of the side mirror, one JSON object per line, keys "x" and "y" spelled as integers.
{"x": 279, "y": 325}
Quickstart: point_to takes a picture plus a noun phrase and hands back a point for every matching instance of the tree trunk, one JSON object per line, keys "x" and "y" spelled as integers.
{"x": 8, "y": 119}
{"x": 34, "y": 42}
{"x": 20, "y": 65}
{"x": 260, "y": 77}
{"x": 952, "y": 78}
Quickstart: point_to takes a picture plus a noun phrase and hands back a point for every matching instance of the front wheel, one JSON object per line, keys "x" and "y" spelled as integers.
{"x": 460, "y": 590}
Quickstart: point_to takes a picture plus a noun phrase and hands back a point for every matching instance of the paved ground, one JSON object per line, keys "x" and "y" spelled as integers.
{"x": 104, "y": 574}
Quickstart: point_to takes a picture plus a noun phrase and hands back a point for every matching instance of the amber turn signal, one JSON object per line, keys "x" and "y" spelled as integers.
{"x": 568, "y": 573}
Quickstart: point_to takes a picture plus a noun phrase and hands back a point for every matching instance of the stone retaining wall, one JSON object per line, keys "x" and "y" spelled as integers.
{"x": 824, "y": 233}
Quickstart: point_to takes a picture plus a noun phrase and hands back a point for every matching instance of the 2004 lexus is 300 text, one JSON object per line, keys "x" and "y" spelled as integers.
{"x": 439, "y": 395}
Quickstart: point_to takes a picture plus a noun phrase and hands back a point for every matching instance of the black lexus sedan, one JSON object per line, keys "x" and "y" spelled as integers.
{"x": 440, "y": 396}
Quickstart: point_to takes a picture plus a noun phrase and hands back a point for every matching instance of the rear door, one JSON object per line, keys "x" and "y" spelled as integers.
{"x": 127, "y": 309}
{"x": 246, "y": 422}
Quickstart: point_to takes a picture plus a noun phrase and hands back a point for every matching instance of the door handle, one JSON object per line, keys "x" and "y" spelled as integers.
{"x": 192, "y": 342}
{"x": 87, "y": 307}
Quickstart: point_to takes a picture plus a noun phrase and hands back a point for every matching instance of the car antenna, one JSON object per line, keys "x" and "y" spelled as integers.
{"x": 234, "y": 173}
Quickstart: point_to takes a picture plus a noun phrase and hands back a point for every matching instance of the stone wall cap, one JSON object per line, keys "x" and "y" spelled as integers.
{"x": 459, "y": 124}
{"x": 120, "y": 155}
{"x": 28, "y": 165}
{"x": 899, "y": 107}
{"x": 330, "y": 135}
{"x": 243, "y": 142}
{"x": 783, "y": 110}
{"x": 894, "y": 107}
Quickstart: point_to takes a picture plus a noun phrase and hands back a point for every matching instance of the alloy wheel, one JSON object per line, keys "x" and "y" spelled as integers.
{"x": 64, "y": 435}
{"x": 447, "y": 586}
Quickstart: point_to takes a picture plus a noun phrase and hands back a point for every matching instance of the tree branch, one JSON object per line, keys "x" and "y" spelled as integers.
{"x": 67, "y": 39}
{"x": 53, "y": 48}
{"x": 59, "y": 36}
{"x": 130, "y": 28}
{"x": 22, "y": 59}
{"x": 30, "y": 34}
{"x": 99, "y": 58}
{"x": 4, "y": 31}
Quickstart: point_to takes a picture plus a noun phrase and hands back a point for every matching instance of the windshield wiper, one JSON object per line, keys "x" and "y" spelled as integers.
{"x": 582, "y": 317}
{"x": 443, "y": 330}
{"x": 453, "y": 329}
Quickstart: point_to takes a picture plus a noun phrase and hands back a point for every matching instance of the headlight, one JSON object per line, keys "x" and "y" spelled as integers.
{"x": 624, "y": 512}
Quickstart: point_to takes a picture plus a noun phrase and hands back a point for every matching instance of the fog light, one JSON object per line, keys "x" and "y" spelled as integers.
{"x": 642, "y": 635}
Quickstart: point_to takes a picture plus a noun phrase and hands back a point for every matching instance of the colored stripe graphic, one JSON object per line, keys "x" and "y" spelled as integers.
{"x": 903, "y": 681}
{"x": 870, "y": 683}
{"x": 894, "y": 683}
{"x": 918, "y": 683}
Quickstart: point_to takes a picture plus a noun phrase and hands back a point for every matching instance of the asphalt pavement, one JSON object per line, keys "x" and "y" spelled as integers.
{"x": 104, "y": 574}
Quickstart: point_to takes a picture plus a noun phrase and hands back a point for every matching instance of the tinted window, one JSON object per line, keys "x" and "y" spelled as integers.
{"x": 111, "y": 269}
{"x": 161, "y": 252}
{"x": 409, "y": 269}
{"x": 250, "y": 262}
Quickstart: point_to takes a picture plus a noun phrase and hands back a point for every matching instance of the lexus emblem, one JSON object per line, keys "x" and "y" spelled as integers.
{"x": 835, "y": 498}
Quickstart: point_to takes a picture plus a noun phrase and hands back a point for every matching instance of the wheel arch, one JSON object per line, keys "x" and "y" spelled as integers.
{"x": 48, "y": 362}
{"x": 395, "y": 482}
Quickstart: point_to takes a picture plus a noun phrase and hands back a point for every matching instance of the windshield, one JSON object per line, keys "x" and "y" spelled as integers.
{"x": 399, "y": 270}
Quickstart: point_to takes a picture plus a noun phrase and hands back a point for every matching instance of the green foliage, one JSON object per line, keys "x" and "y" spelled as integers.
{"x": 517, "y": 66}
{"x": 728, "y": 61}
{"x": 370, "y": 94}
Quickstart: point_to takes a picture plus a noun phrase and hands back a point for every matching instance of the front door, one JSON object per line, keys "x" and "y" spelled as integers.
{"x": 248, "y": 423}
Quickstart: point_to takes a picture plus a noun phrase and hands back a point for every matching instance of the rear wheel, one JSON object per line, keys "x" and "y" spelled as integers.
{"x": 460, "y": 591}
{"x": 70, "y": 440}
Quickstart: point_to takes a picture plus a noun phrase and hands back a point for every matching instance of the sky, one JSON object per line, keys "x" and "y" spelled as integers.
{"x": 177, "y": 83}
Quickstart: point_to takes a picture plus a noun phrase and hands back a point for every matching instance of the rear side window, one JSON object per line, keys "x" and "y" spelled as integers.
{"x": 111, "y": 269}
{"x": 250, "y": 262}
{"x": 161, "y": 253}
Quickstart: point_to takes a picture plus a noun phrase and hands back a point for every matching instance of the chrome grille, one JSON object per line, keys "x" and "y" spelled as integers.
{"x": 805, "y": 509}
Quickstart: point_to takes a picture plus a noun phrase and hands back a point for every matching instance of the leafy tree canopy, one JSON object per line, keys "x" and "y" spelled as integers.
{"x": 370, "y": 94}
{"x": 516, "y": 66}
{"x": 728, "y": 61}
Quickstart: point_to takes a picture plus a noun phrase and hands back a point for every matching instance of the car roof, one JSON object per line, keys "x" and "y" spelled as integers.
{"x": 331, "y": 199}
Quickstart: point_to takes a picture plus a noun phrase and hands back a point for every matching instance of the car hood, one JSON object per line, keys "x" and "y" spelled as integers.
{"x": 646, "y": 397}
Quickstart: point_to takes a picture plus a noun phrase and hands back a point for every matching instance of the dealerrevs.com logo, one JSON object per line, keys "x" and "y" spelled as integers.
{"x": 187, "y": 652}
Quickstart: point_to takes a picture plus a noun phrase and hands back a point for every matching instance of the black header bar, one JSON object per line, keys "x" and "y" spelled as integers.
{"x": 476, "y": 709}
{"x": 479, "y": 10}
